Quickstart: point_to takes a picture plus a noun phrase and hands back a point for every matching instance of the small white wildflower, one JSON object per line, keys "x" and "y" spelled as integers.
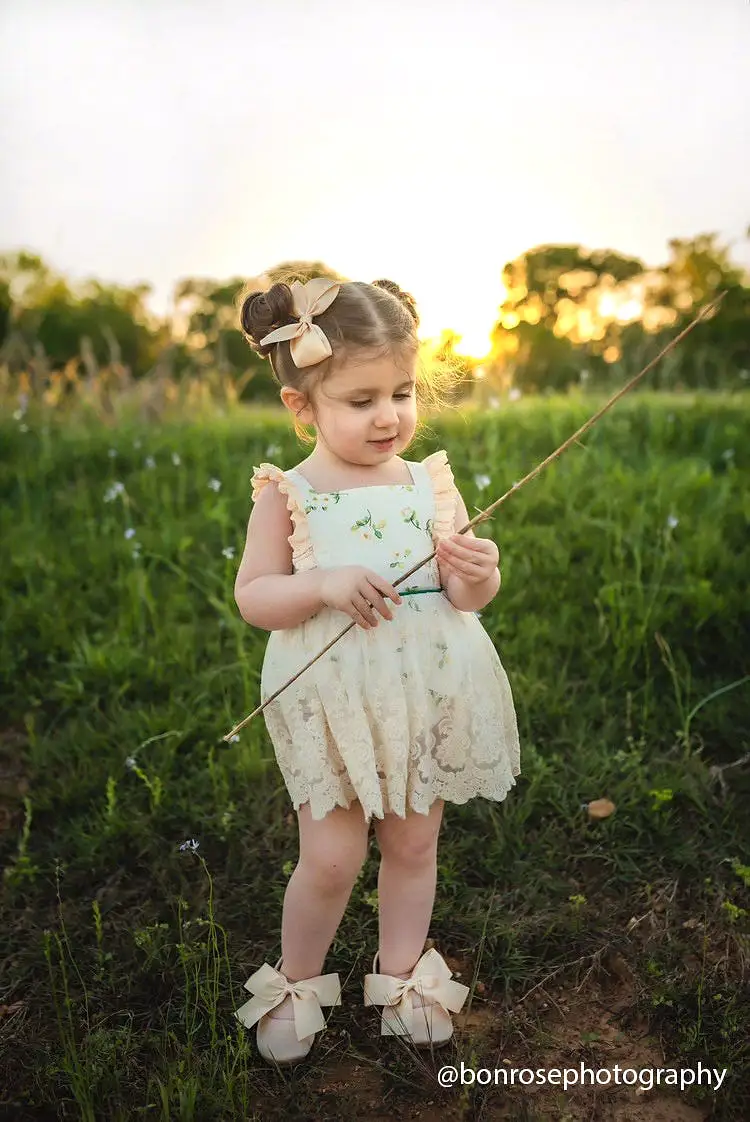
{"x": 234, "y": 739}
{"x": 130, "y": 763}
{"x": 228, "y": 552}
{"x": 514, "y": 394}
{"x": 273, "y": 450}
{"x": 136, "y": 553}
{"x": 493, "y": 402}
{"x": 129, "y": 533}
{"x": 113, "y": 491}
{"x": 584, "y": 375}
{"x": 176, "y": 459}
{"x": 672, "y": 522}
{"x": 18, "y": 414}
{"x": 112, "y": 453}
{"x": 23, "y": 428}
{"x": 150, "y": 462}
{"x": 214, "y": 484}
{"x": 727, "y": 454}
{"x": 190, "y": 844}
{"x": 482, "y": 481}
{"x": 136, "y": 443}
{"x": 744, "y": 374}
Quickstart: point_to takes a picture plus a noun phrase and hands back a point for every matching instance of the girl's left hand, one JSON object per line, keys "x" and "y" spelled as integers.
{"x": 474, "y": 560}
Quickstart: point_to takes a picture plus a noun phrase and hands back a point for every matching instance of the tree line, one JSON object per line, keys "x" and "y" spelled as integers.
{"x": 567, "y": 316}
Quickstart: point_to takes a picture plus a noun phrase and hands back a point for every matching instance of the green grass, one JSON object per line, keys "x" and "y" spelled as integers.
{"x": 625, "y": 639}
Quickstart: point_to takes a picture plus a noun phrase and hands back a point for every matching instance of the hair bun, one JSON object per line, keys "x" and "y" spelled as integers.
{"x": 262, "y": 312}
{"x": 406, "y": 298}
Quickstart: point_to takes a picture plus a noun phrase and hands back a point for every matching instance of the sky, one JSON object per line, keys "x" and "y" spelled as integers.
{"x": 421, "y": 140}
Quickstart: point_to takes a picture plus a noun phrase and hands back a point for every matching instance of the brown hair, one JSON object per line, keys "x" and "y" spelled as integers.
{"x": 377, "y": 318}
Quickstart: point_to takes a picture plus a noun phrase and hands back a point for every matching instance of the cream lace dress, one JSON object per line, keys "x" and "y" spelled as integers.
{"x": 415, "y": 709}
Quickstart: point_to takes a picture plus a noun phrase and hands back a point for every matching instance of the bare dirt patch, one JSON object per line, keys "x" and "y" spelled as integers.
{"x": 556, "y": 1027}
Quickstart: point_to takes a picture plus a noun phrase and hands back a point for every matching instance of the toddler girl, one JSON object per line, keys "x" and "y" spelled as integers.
{"x": 385, "y": 726}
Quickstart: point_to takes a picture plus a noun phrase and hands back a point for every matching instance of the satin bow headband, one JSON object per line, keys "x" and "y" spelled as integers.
{"x": 309, "y": 343}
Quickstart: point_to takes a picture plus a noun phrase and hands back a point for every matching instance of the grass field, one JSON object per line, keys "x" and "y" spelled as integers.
{"x": 623, "y": 624}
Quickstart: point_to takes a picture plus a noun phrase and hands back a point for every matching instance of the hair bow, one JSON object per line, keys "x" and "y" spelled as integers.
{"x": 309, "y": 343}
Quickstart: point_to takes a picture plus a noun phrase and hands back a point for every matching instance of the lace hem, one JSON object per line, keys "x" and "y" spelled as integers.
{"x": 444, "y": 487}
{"x": 303, "y": 556}
{"x": 322, "y": 803}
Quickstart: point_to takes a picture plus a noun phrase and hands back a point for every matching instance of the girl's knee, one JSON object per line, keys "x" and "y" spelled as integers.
{"x": 411, "y": 842}
{"x": 331, "y": 871}
{"x": 413, "y": 852}
{"x": 333, "y": 849}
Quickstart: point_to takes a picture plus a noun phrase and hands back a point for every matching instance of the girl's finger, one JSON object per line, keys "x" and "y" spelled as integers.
{"x": 473, "y": 545}
{"x": 466, "y": 553}
{"x": 471, "y": 568}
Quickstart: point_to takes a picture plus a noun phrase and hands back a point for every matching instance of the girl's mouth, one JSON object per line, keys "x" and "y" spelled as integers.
{"x": 383, "y": 444}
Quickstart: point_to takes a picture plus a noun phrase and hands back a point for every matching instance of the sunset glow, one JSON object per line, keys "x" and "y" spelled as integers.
{"x": 433, "y": 183}
{"x": 620, "y": 306}
{"x": 475, "y": 343}
{"x": 460, "y": 311}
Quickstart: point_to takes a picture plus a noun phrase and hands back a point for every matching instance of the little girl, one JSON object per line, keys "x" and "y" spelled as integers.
{"x": 388, "y": 725}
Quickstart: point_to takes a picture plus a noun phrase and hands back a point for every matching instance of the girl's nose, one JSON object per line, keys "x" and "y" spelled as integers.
{"x": 388, "y": 416}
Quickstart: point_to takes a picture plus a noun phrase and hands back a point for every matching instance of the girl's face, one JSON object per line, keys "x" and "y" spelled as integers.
{"x": 359, "y": 404}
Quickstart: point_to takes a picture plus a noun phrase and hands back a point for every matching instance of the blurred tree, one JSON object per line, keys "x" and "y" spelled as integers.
{"x": 45, "y": 312}
{"x": 570, "y": 316}
{"x": 554, "y": 319}
{"x": 614, "y": 314}
{"x": 697, "y": 270}
{"x": 547, "y": 282}
{"x": 543, "y": 360}
{"x": 717, "y": 350}
{"x": 6, "y": 305}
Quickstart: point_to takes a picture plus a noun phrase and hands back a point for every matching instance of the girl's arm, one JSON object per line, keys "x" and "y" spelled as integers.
{"x": 474, "y": 597}
{"x": 267, "y": 591}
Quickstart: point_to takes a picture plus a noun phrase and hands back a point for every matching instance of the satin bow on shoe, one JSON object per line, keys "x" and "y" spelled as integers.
{"x": 270, "y": 987}
{"x": 430, "y": 978}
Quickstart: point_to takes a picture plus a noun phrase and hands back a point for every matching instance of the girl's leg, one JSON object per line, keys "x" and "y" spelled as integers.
{"x": 332, "y": 851}
{"x": 406, "y": 886}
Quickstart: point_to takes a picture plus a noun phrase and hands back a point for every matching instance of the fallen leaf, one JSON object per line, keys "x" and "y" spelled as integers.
{"x": 600, "y": 808}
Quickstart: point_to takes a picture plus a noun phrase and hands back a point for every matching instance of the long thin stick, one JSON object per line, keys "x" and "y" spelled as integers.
{"x": 484, "y": 515}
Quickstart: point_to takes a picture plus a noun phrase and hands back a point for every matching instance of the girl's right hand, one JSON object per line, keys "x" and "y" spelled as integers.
{"x": 357, "y": 591}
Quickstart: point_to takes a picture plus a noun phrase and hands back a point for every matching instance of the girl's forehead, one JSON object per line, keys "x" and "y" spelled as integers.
{"x": 370, "y": 374}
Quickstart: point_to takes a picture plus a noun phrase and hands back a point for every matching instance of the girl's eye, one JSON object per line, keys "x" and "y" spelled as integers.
{"x": 361, "y": 404}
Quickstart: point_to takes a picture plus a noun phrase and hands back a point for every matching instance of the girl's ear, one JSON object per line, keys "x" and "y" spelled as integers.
{"x": 297, "y": 404}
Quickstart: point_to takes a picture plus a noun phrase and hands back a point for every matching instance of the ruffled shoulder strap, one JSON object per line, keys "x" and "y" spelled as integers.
{"x": 444, "y": 488}
{"x": 303, "y": 556}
